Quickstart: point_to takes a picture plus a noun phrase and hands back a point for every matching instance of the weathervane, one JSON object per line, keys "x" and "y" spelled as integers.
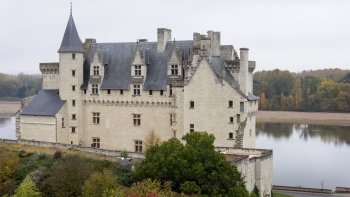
{"x": 71, "y": 7}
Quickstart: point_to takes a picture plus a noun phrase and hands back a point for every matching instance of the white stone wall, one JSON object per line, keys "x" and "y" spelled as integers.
{"x": 211, "y": 112}
{"x": 40, "y": 128}
{"x": 50, "y": 81}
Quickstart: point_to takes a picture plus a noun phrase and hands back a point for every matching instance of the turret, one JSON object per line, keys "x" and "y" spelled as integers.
{"x": 71, "y": 59}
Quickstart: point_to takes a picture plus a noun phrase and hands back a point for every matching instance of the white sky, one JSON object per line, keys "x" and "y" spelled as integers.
{"x": 290, "y": 35}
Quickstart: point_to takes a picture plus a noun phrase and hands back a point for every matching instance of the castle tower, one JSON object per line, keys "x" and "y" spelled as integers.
{"x": 71, "y": 61}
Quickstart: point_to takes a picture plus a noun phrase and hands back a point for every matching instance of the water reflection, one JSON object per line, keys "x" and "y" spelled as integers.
{"x": 8, "y": 128}
{"x": 336, "y": 135}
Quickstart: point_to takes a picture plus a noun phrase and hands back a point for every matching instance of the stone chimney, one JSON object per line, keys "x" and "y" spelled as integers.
{"x": 214, "y": 42}
{"x": 163, "y": 36}
{"x": 243, "y": 71}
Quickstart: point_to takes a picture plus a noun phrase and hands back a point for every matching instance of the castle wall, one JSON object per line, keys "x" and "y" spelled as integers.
{"x": 40, "y": 128}
{"x": 211, "y": 112}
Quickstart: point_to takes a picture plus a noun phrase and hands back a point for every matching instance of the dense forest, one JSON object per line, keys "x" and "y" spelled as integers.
{"x": 15, "y": 87}
{"x": 325, "y": 90}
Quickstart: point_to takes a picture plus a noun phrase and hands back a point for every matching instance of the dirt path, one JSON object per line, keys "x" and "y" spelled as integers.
{"x": 8, "y": 108}
{"x": 342, "y": 119}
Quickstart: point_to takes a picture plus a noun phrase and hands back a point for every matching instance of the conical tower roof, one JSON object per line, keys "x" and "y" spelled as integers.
{"x": 71, "y": 42}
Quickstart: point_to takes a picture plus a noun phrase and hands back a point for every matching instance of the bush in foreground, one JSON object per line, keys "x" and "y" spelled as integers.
{"x": 193, "y": 168}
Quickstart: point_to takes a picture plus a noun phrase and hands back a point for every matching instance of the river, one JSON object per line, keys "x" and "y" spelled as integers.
{"x": 307, "y": 155}
{"x": 304, "y": 155}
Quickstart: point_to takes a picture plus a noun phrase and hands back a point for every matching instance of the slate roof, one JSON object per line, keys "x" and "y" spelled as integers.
{"x": 221, "y": 71}
{"x": 118, "y": 57}
{"x": 46, "y": 103}
{"x": 71, "y": 42}
{"x": 252, "y": 97}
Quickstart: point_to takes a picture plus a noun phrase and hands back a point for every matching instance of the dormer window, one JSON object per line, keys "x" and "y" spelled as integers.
{"x": 175, "y": 69}
{"x": 96, "y": 70}
{"x": 137, "y": 69}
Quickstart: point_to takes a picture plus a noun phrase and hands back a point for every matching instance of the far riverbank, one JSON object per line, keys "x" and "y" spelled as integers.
{"x": 320, "y": 118}
{"x": 9, "y": 108}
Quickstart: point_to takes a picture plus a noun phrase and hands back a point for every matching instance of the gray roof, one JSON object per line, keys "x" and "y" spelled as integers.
{"x": 252, "y": 97}
{"x": 221, "y": 71}
{"x": 117, "y": 59}
{"x": 46, "y": 103}
{"x": 71, "y": 42}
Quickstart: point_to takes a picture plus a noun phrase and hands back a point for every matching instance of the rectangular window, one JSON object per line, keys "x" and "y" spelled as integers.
{"x": 73, "y": 88}
{"x": 170, "y": 90}
{"x": 137, "y": 90}
{"x": 242, "y": 106}
{"x": 150, "y": 92}
{"x": 191, "y": 128}
{"x": 74, "y": 116}
{"x": 73, "y": 73}
{"x": 96, "y": 117}
{"x": 137, "y": 119}
{"x": 231, "y": 119}
{"x": 73, "y": 56}
{"x": 84, "y": 91}
{"x": 94, "y": 89}
{"x": 138, "y": 146}
{"x": 191, "y": 104}
{"x": 174, "y": 69}
{"x": 73, "y": 130}
{"x": 172, "y": 119}
{"x": 230, "y": 104}
{"x": 238, "y": 118}
{"x": 73, "y": 103}
{"x": 230, "y": 135}
{"x": 174, "y": 133}
{"x": 121, "y": 92}
{"x": 96, "y": 70}
{"x": 137, "y": 69}
{"x": 108, "y": 91}
{"x": 63, "y": 123}
{"x": 161, "y": 92}
{"x": 95, "y": 142}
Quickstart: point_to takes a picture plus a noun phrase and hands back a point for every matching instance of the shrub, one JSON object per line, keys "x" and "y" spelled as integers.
{"x": 57, "y": 155}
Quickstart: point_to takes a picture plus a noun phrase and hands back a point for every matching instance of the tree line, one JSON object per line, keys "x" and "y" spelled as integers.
{"x": 15, "y": 87}
{"x": 325, "y": 90}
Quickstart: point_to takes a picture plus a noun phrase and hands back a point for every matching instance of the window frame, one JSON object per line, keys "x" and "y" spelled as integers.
{"x": 136, "y": 120}
{"x": 137, "y": 90}
{"x": 191, "y": 104}
{"x": 230, "y": 104}
{"x": 94, "y": 88}
{"x": 96, "y": 142}
{"x": 96, "y": 118}
{"x": 137, "y": 70}
{"x": 191, "y": 128}
{"x": 96, "y": 70}
{"x": 174, "y": 69}
{"x": 138, "y": 146}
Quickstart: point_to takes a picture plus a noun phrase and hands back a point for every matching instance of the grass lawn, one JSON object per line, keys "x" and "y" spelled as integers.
{"x": 280, "y": 195}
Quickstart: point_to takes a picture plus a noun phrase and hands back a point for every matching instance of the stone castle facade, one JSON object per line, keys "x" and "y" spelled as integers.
{"x": 113, "y": 95}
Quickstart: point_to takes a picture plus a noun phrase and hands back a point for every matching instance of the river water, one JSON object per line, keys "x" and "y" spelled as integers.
{"x": 8, "y": 128}
{"x": 303, "y": 155}
{"x": 307, "y": 155}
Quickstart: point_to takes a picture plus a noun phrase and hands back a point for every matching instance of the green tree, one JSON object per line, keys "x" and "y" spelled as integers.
{"x": 298, "y": 99}
{"x": 27, "y": 189}
{"x": 192, "y": 166}
{"x": 98, "y": 183}
{"x": 67, "y": 177}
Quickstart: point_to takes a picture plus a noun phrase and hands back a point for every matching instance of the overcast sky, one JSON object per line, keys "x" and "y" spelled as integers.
{"x": 290, "y": 35}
